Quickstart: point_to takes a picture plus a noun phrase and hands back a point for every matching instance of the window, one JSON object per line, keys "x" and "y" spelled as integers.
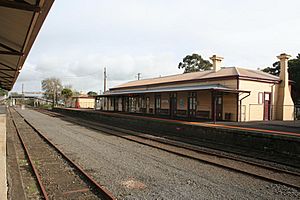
{"x": 192, "y": 100}
{"x": 143, "y": 104}
{"x": 148, "y": 102}
{"x": 260, "y": 98}
{"x": 157, "y": 102}
{"x": 132, "y": 104}
{"x": 267, "y": 97}
{"x": 139, "y": 103}
{"x": 219, "y": 100}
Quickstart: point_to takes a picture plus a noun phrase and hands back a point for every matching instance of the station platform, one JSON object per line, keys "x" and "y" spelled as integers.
{"x": 289, "y": 128}
{"x": 279, "y": 127}
{"x": 264, "y": 141}
{"x": 3, "y": 179}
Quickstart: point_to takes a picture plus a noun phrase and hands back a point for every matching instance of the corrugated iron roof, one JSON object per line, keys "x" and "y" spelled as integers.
{"x": 20, "y": 22}
{"x": 216, "y": 87}
{"x": 209, "y": 74}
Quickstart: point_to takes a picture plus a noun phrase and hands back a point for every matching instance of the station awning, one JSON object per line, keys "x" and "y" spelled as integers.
{"x": 20, "y": 22}
{"x": 214, "y": 87}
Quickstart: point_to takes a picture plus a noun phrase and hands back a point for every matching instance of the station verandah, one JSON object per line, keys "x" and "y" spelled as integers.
{"x": 206, "y": 103}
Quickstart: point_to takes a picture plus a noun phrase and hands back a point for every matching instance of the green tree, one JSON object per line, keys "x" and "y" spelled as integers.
{"x": 14, "y": 94}
{"x": 294, "y": 74}
{"x": 67, "y": 94}
{"x": 194, "y": 63}
{"x": 52, "y": 88}
{"x": 3, "y": 92}
{"x": 274, "y": 70}
{"x": 92, "y": 93}
{"x": 76, "y": 93}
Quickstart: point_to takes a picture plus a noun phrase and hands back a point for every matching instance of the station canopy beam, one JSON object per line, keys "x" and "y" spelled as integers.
{"x": 13, "y": 53}
{"x": 20, "y": 5}
{"x": 20, "y": 22}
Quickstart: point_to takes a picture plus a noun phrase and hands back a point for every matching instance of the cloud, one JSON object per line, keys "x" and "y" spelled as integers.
{"x": 150, "y": 37}
{"x": 86, "y": 73}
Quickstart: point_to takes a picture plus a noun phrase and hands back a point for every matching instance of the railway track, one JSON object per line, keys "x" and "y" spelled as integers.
{"x": 237, "y": 163}
{"x": 57, "y": 176}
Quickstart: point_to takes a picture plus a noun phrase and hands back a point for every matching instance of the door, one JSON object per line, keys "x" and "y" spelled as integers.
{"x": 147, "y": 104}
{"x": 192, "y": 104}
{"x": 217, "y": 106}
{"x": 125, "y": 104}
{"x": 173, "y": 104}
{"x": 267, "y": 106}
{"x": 116, "y": 103}
{"x": 157, "y": 104}
{"x": 143, "y": 105}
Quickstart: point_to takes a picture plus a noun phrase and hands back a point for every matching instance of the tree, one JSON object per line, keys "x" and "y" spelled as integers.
{"x": 76, "y": 93}
{"x": 294, "y": 74}
{"x": 15, "y": 94}
{"x": 52, "y": 88}
{"x": 3, "y": 92}
{"x": 66, "y": 93}
{"x": 275, "y": 70}
{"x": 92, "y": 93}
{"x": 194, "y": 63}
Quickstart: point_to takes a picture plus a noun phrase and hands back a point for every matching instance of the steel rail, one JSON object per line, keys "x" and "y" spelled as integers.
{"x": 38, "y": 177}
{"x": 297, "y": 186}
{"x": 108, "y": 127}
{"x": 106, "y": 193}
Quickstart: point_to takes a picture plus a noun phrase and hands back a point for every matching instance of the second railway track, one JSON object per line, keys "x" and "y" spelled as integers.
{"x": 241, "y": 164}
{"x": 58, "y": 177}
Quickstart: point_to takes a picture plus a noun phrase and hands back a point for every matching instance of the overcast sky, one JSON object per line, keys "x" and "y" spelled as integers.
{"x": 79, "y": 38}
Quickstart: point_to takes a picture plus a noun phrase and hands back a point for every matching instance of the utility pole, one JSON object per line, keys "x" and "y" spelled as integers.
{"x": 105, "y": 77}
{"x": 139, "y": 76}
{"x": 23, "y": 98}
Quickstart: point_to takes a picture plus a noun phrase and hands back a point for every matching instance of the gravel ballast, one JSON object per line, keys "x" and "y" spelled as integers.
{"x": 134, "y": 171}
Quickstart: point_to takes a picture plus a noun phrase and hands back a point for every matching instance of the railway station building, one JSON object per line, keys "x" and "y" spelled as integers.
{"x": 220, "y": 94}
{"x": 82, "y": 101}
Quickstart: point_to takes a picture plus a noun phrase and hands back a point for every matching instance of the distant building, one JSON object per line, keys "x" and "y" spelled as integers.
{"x": 231, "y": 93}
{"x": 82, "y": 101}
{"x": 34, "y": 101}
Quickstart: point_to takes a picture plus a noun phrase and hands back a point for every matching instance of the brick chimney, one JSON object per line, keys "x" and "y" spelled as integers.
{"x": 285, "y": 104}
{"x": 216, "y": 62}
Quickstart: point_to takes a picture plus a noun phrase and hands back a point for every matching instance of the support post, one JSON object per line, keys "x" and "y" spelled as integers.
{"x": 214, "y": 107}
{"x": 104, "y": 80}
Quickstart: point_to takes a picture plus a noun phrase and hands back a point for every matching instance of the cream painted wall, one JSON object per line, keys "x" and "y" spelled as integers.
{"x": 253, "y": 111}
{"x": 165, "y": 98}
{"x": 251, "y": 108}
{"x": 229, "y": 105}
{"x": 84, "y": 102}
{"x": 204, "y": 101}
{"x": 286, "y": 111}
